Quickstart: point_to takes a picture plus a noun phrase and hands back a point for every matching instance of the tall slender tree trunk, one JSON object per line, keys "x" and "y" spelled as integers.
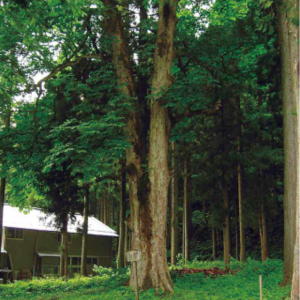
{"x": 122, "y": 215}
{"x": 64, "y": 249}
{"x": 226, "y": 229}
{"x": 186, "y": 209}
{"x": 214, "y": 246}
{"x": 263, "y": 233}
{"x": 6, "y": 122}
{"x": 84, "y": 238}
{"x": 174, "y": 207}
{"x": 241, "y": 217}
{"x": 289, "y": 35}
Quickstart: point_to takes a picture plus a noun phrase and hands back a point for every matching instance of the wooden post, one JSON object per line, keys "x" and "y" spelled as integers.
{"x": 260, "y": 288}
{"x": 134, "y": 256}
{"x": 137, "y": 296}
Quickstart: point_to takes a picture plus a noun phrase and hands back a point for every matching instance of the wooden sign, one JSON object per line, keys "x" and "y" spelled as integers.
{"x": 133, "y": 255}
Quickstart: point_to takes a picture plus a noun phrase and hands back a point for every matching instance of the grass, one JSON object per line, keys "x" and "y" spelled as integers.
{"x": 109, "y": 285}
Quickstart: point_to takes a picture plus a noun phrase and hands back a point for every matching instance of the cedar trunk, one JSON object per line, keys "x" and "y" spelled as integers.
{"x": 84, "y": 238}
{"x": 289, "y": 34}
{"x": 226, "y": 229}
{"x": 263, "y": 234}
{"x": 241, "y": 218}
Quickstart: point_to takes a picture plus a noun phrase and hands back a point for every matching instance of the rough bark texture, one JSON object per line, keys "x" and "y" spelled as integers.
{"x": 289, "y": 34}
{"x": 263, "y": 234}
{"x": 83, "y": 269}
{"x": 174, "y": 208}
{"x": 147, "y": 191}
{"x": 122, "y": 211}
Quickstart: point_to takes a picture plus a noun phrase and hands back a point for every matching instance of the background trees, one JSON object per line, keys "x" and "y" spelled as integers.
{"x": 125, "y": 80}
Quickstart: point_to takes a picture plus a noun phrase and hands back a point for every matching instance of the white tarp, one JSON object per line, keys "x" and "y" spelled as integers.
{"x": 36, "y": 219}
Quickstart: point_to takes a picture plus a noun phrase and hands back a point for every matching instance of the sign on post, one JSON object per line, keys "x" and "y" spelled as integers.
{"x": 133, "y": 257}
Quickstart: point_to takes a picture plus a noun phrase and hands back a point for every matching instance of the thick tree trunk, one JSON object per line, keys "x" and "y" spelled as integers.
{"x": 263, "y": 233}
{"x": 226, "y": 229}
{"x": 64, "y": 250}
{"x": 122, "y": 215}
{"x": 174, "y": 207}
{"x": 84, "y": 238}
{"x": 147, "y": 191}
{"x": 289, "y": 34}
{"x": 186, "y": 214}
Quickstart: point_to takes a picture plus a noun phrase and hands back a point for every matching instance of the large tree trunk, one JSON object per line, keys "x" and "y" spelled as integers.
{"x": 263, "y": 233}
{"x": 174, "y": 207}
{"x": 289, "y": 34}
{"x": 186, "y": 214}
{"x": 84, "y": 238}
{"x": 295, "y": 294}
{"x": 122, "y": 215}
{"x": 147, "y": 191}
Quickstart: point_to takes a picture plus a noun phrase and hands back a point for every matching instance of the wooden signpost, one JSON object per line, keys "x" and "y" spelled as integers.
{"x": 133, "y": 257}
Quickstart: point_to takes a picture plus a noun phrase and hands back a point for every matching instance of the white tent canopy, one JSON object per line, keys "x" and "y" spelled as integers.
{"x": 36, "y": 219}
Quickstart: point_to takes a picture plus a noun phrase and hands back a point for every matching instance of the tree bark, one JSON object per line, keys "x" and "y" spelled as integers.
{"x": 289, "y": 35}
{"x": 147, "y": 191}
{"x": 174, "y": 207}
{"x": 122, "y": 215}
{"x": 263, "y": 233}
{"x": 84, "y": 238}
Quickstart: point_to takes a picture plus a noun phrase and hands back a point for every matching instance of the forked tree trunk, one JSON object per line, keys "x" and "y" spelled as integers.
{"x": 64, "y": 250}
{"x": 122, "y": 215}
{"x": 186, "y": 214}
{"x": 289, "y": 35}
{"x": 147, "y": 191}
{"x": 174, "y": 207}
{"x": 263, "y": 233}
{"x": 226, "y": 229}
{"x": 84, "y": 238}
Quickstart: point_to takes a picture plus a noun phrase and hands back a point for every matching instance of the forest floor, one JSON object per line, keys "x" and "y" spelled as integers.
{"x": 189, "y": 284}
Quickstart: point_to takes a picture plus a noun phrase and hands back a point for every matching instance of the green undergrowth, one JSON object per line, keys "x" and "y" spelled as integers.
{"x": 111, "y": 285}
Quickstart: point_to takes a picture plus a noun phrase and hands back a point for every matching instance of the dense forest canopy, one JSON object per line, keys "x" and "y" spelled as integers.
{"x": 164, "y": 118}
